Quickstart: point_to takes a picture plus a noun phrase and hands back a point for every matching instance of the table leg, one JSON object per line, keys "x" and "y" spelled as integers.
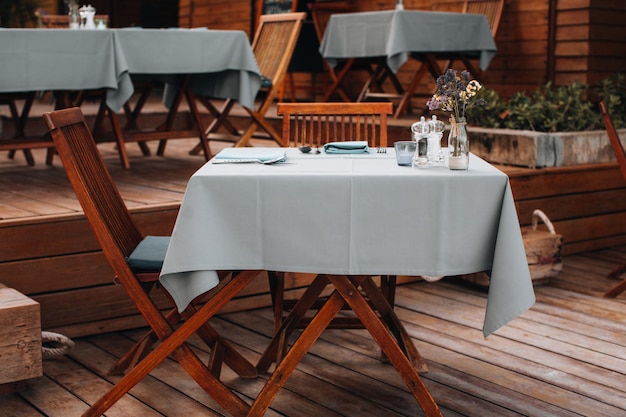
{"x": 300, "y": 347}
{"x": 277, "y": 347}
{"x": 393, "y": 324}
{"x": 346, "y": 291}
{"x": 346, "y": 287}
{"x": 339, "y": 79}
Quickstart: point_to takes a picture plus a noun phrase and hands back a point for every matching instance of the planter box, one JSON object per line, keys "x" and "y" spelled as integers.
{"x": 539, "y": 149}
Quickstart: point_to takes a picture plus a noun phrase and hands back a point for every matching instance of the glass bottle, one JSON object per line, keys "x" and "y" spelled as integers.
{"x": 458, "y": 144}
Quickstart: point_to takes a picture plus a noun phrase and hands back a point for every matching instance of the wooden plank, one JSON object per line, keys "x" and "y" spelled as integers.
{"x": 86, "y": 305}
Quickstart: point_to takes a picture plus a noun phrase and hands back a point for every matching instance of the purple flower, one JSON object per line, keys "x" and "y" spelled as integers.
{"x": 455, "y": 93}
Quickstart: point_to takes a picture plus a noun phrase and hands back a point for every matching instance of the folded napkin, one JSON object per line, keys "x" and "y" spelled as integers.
{"x": 346, "y": 147}
{"x": 251, "y": 155}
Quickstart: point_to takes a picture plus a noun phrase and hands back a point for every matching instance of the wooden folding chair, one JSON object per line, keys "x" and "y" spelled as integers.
{"x": 123, "y": 244}
{"x": 492, "y": 9}
{"x": 273, "y": 46}
{"x": 620, "y": 155}
{"x": 315, "y": 124}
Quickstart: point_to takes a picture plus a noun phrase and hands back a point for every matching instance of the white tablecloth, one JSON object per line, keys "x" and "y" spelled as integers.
{"x": 396, "y": 34}
{"x": 351, "y": 214}
{"x": 221, "y": 62}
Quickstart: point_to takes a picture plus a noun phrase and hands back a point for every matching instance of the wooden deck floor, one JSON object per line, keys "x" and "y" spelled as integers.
{"x": 566, "y": 356}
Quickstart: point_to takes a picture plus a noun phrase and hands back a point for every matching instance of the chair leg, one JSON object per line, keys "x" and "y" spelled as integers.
{"x": 619, "y": 288}
{"x": 347, "y": 288}
{"x": 221, "y": 350}
{"x": 258, "y": 119}
{"x": 173, "y": 343}
{"x": 275, "y": 350}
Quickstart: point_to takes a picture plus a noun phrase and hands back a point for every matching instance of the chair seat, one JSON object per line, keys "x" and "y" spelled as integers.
{"x": 266, "y": 82}
{"x": 148, "y": 256}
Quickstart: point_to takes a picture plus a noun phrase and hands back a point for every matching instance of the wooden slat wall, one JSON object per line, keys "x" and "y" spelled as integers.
{"x": 585, "y": 203}
{"x": 589, "y": 38}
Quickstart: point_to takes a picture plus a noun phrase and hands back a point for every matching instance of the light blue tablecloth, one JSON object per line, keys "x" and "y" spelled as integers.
{"x": 351, "y": 214}
{"x": 395, "y": 34}
{"x": 221, "y": 62}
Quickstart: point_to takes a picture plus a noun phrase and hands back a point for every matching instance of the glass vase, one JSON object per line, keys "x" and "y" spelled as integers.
{"x": 458, "y": 144}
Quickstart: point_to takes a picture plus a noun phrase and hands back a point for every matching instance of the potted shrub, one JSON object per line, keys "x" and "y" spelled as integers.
{"x": 552, "y": 126}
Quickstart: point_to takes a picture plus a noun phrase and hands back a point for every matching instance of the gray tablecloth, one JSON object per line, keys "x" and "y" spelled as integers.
{"x": 350, "y": 214}
{"x": 397, "y": 33}
{"x": 221, "y": 62}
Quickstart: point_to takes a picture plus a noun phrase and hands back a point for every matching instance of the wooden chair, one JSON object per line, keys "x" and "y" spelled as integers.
{"x": 492, "y": 9}
{"x": 273, "y": 46}
{"x": 122, "y": 244}
{"x": 315, "y": 124}
{"x": 620, "y": 155}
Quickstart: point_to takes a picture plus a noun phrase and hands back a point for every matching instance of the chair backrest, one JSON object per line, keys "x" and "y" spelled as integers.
{"x": 617, "y": 146}
{"x": 316, "y": 124}
{"x": 95, "y": 190}
{"x": 321, "y": 12}
{"x": 274, "y": 43}
{"x": 62, "y": 21}
{"x": 492, "y": 9}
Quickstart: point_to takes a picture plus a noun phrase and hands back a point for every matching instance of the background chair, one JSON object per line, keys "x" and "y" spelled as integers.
{"x": 620, "y": 155}
{"x": 136, "y": 261}
{"x": 315, "y": 124}
{"x": 273, "y": 46}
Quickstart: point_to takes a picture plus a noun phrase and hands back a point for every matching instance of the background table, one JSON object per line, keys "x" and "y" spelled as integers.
{"x": 397, "y": 34}
{"x": 209, "y": 63}
{"x": 221, "y": 61}
{"x": 351, "y": 215}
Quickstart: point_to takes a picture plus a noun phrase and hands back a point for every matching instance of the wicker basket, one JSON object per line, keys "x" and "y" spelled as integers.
{"x": 543, "y": 253}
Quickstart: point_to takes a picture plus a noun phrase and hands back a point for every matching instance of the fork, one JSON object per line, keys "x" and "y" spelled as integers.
{"x": 381, "y": 149}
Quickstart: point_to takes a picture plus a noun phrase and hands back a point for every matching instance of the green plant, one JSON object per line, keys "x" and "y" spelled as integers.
{"x": 553, "y": 109}
{"x": 20, "y": 13}
{"x": 612, "y": 91}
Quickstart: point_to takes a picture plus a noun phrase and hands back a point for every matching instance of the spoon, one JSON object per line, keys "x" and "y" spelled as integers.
{"x": 305, "y": 149}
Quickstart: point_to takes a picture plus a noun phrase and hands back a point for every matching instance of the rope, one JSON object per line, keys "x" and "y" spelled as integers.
{"x": 538, "y": 214}
{"x": 54, "y": 345}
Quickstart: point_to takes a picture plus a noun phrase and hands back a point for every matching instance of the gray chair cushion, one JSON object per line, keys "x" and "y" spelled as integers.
{"x": 148, "y": 256}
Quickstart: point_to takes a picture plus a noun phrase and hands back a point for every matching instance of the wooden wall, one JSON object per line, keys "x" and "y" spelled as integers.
{"x": 538, "y": 40}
